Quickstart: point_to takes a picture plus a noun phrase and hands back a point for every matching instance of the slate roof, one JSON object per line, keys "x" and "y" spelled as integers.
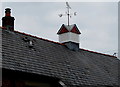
{"x": 43, "y": 57}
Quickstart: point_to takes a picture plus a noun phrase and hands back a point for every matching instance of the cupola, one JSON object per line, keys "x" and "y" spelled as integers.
{"x": 69, "y": 34}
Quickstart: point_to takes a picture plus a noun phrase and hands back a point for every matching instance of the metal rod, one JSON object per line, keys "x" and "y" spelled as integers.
{"x": 68, "y": 17}
{"x": 68, "y": 13}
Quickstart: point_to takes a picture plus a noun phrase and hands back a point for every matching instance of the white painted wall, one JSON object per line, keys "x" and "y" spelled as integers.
{"x": 65, "y": 37}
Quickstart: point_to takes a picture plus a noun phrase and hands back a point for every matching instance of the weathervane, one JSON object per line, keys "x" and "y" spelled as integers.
{"x": 68, "y": 13}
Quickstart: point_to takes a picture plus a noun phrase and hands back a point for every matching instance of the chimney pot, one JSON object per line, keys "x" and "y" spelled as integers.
{"x": 7, "y": 12}
{"x": 8, "y": 21}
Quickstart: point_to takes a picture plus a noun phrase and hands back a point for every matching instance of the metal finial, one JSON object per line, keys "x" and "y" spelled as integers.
{"x": 68, "y": 13}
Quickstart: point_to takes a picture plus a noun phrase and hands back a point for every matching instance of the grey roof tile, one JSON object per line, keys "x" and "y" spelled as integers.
{"x": 54, "y": 59}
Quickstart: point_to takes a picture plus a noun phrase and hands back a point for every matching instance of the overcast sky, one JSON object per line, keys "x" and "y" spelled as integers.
{"x": 97, "y": 21}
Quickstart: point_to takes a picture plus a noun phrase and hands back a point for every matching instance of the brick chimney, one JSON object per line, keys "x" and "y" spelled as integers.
{"x": 69, "y": 35}
{"x": 8, "y": 21}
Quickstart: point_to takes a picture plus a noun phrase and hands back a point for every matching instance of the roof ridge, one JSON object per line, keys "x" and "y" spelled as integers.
{"x": 38, "y": 37}
{"x": 64, "y": 44}
{"x": 99, "y": 53}
{"x": 58, "y": 42}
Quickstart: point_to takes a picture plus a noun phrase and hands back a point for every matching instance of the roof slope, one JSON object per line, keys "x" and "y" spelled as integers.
{"x": 47, "y": 58}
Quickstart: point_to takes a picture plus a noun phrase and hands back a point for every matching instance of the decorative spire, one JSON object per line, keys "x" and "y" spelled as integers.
{"x": 69, "y": 15}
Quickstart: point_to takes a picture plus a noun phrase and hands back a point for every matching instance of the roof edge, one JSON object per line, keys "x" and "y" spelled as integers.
{"x": 98, "y": 53}
{"x": 33, "y": 36}
{"x": 64, "y": 44}
{"x": 38, "y": 37}
{"x": 59, "y": 43}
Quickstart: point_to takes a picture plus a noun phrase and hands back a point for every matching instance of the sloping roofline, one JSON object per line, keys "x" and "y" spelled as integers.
{"x": 58, "y": 43}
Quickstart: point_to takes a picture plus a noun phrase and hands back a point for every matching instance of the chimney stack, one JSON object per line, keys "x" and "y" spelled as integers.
{"x": 69, "y": 35}
{"x": 8, "y": 21}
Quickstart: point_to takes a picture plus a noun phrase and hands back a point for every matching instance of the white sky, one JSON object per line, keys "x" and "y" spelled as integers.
{"x": 97, "y": 21}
